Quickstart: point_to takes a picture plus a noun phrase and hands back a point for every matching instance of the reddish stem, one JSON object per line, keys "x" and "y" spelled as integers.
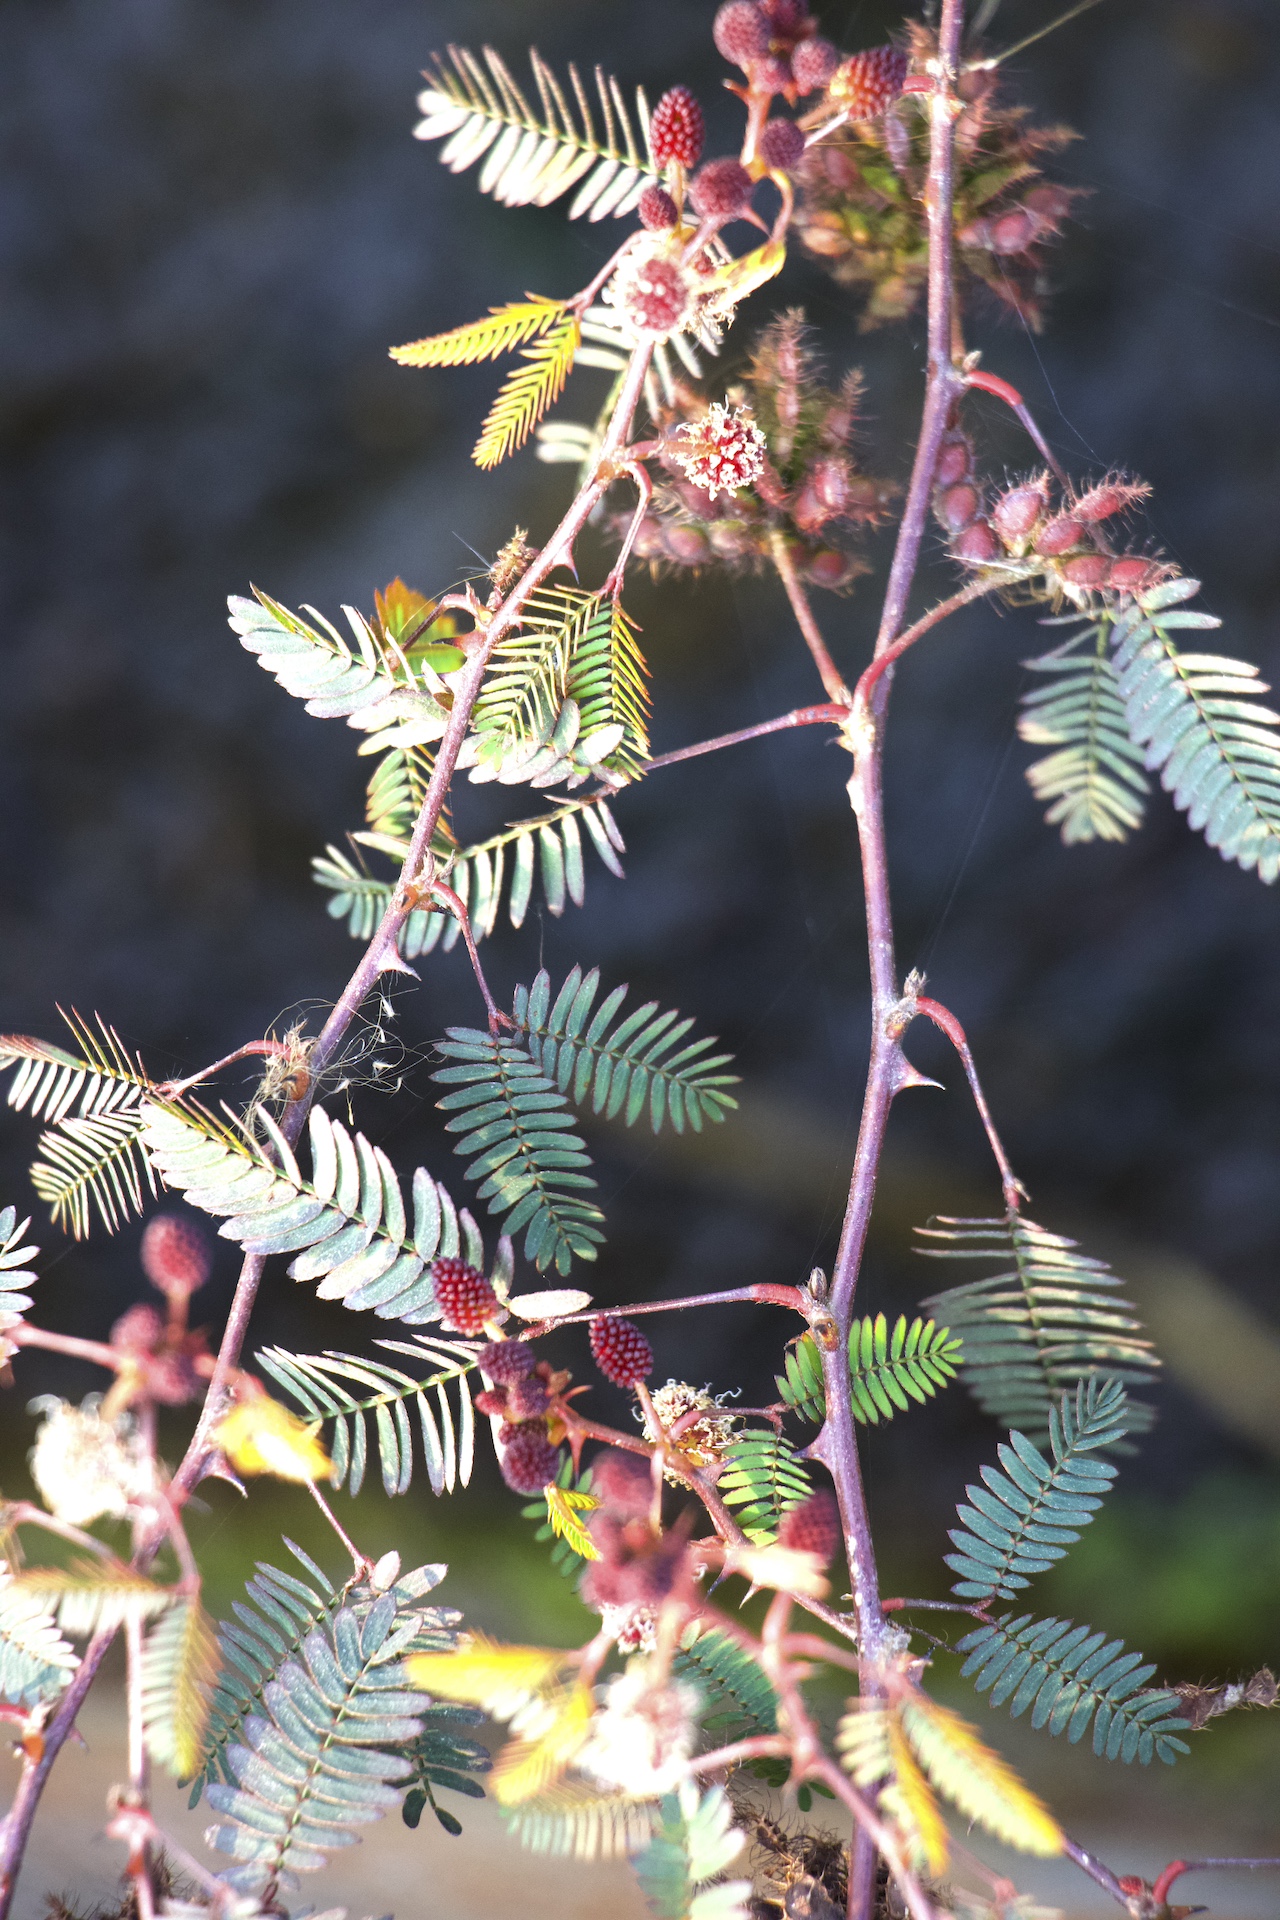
{"x": 832, "y": 678}
{"x": 835, "y": 712}
{"x": 1014, "y": 1191}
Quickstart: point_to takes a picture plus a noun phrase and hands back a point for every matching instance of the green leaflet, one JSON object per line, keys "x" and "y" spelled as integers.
{"x": 731, "y": 1682}
{"x": 180, "y": 1667}
{"x": 1025, "y": 1518}
{"x": 442, "y": 1757}
{"x": 328, "y": 1750}
{"x": 1072, "y": 1678}
{"x": 14, "y": 1257}
{"x": 1047, "y": 1318}
{"x": 887, "y": 1371}
{"x": 533, "y": 158}
{"x": 625, "y": 1069}
{"x": 92, "y": 1158}
{"x": 564, "y": 1559}
{"x": 327, "y": 1386}
{"x": 694, "y": 1843}
{"x": 35, "y": 1661}
{"x": 347, "y": 1226}
{"x": 373, "y": 688}
{"x": 527, "y": 1157}
{"x": 549, "y": 849}
{"x": 1093, "y": 779}
{"x": 1212, "y": 742}
{"x": 764, "y": 1477}
{"x": 579, "y": 1822}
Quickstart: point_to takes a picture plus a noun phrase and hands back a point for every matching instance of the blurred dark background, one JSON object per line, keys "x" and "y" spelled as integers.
{"x": 214, "y": 222}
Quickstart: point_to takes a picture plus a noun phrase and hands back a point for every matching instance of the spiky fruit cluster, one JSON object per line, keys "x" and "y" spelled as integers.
{"x": 528, "y": 1461}
{"x": 657, "y": 209}
{"x": 175, "y": 1255}
{"x": 652, "y": 293}
{"x": 813, "y": 1526}
{"x": 507, "y": 1361}
{"x": 806, "y": 489}
{"x": 721, "y": 189}
{"x": 781, "y": 145}
{"x": 1022, "y": 534}
{"x": 676, "y": 129}
{"x": 723, "y": 451}
{"x": 463, "y": 1295}
{"x": 776, "y": 45}
{"x": 621, "y": 1351}
{"x": 860, "y": 202}
{"x": 866, "y": 84}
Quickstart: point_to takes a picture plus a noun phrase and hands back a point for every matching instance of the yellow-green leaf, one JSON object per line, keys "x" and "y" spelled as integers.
{"x": 502, "y": 329}
{"x": 527, "y": 1767}
{"x": 976, "y": 1780}
{"x": 528, "y": 391}
{"x": 564, "y": 1504}
{"x": 180, "y": 1664}
{"x": 484, "y": 1673}
{"x": 911, "y": 1803}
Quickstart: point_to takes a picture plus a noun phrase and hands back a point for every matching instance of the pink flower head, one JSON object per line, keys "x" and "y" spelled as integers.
{"x": 723, "y": 451}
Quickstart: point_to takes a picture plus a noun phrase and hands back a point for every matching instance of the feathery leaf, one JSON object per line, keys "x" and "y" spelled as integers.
{"x": 976, "y": 1780}
{"x": 528, "y": 391}
{"x": 373, "y": 687}
{"x": 35, "y": 1661}
{"x": 1025, "y": 1518}
{"x": 693, "y": 1844}
{"x": 502, "y": 330}
{"x": 92, "y": 1595}
{"x": 764, "y": 1477}
{"x": 564, "y": 1504}
{"x": 875, "y": 1755}
{"x": 584, "y": 1823}
{"x": 15, "y": 1271}
{"x": 1072, "y": 1678}
{"x": 886, "y": 1370}
{"x": 733, "y": 1687}
{"x": 1046, "y": 1319}
{"x": 525, "y": 1768}
{"x": 1093, "y": 780}
{"x": 180, "y": 1666}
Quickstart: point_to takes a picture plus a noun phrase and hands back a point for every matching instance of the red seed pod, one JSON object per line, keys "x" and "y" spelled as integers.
{"x": 955, "y": 460}
{"x": 807, "y": 509}
{"x": 741, "y": 32}
{"x": 1013, "y": 232}
{"x": 492, "y": 1402}
{"x": 829, "y": 569}
{"x": 175, "y": 1255}
{"x": 464, "y": 1296}
{"x": 957, "y": 506}
{"x": 657, "y": 209}
{"x": 813, "y": 1526}
{"x": 720, "y": 189}
{"x": 729, "y": 539}
{"x": 1132, "y": 574}
{"x": 623, "y": 1485}
{"x": 977, "y": 544}
{"x": 770, "y": 486}
{"x": 812, "y": 64}
{"x": 530, "y": 1462}
{"x": 688, "y": 545}
{"x": 1111, "y": 496}
{"x": 677, "y": 129}
{"x": 832, "y": 482}
{"x": 869, "y": 82}
{"x": 621, "y": 1351}
{"x": 138, "y": 1330}
{"x": 527, "y": 1399}
{"x": 507, "y": 1360}
{"x": 1059, "y": 535}
{"x": 1016, "y": 514}
{"x": 782, "y": 145}
{"x": 1087, "y": 569}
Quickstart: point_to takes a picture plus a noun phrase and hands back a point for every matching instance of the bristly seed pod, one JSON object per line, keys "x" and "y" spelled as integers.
{"x": 957, "y": 506}
{"x": 1110, "y": 496}
{"x": 977, "y": 544}
{"x": 955, "y": 460}
{"x": 677, "y": 129}
{"x": 869, "y": 82}
{"x": 1059, "y": 535}
{"x": 1087, "y": 569}
{"x": 1017, "y": 514}
{"x": 741, "y": 32}
{"x": 1131, "y": 573}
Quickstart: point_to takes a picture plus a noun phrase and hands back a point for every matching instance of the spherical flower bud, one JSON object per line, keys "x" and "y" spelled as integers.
{"x": 723, "y": 451}
{"x": 676, "y": 129}
{"x": 1060, "y": 534}
{"x": 956, "y": 506}
{"x": 529, "y": 1462}
{"x": 622, "y": 1483}
{"x": 772, "y": 74}
{"x": 1016, "y": 514}
{"x": 788, "y": 18}
{"x": 782, "y": 145}
{"x": 464, "y": 1296}
{"x": 721, "y": 189}
{"x": 812, "y": 64}
{"x": 741, "y": 32}
{"x": 527, "y": 1399}
{"x": 652, "y": 294}
{"x": 869, "y": 82}
{"x": 175, "y": 1255}
{"x": 492, "y": 1402}
{"x": 657, "y": 209}
{"x": 507, "y": 1361}
{"x": 138, "y": 1330}
{"x": 621, "y": 1351}
{"x": 813, "y": 1526}
{"x": 977, "y": 544}
{"x": 955, "y": 461}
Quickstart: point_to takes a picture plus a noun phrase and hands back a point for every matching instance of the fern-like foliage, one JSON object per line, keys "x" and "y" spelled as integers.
{"x": 763, "y": 1476}
{"x": 528, "y": 1159}
{"x": 1201, "y": 727}
{"x": 15, "y": 1269}
{"x": 549, "y": 846}
{"x": 35, "y": 1661}
{"x": 565, "y": 697}
{"x": 443, "y": 1757}
{"x": 91, "y": 1157}
{"x": 326, "y": 1752}
{"x": 359, "y": 1394}
{"x": 532, "y": 158}
{"x": 1025, "y": 1518}
{"x": 92, "y": 1596}
{"x": 347, "y": 1225}
{"x": 1073, "y": 1678}
{"x": 528, "y": 391}
{"x": 180, "y": 1667}
{"x": 694, "y": 1843}
{"x": 501, "y": 331}
{"x": 738, "y": 1699}
{"x": 566, "y": 1560}
{"x": 1047, "y": 1318}
{"x": 887, "y": 1371}
{"x": 1093, "y": 779}
{"x": 576, "y": 1821}
{"x": 623, "y": 1066}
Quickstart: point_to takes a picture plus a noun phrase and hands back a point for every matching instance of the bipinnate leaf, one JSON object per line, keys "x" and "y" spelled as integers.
{"x": 180, "y": 1667}
{"x": 887, "y": 1371}
{"x": 528, "y": 391}
{"x": 89, "y": 1596}
{"x": 502, "y": 330}
{"x": 982, "y": 1785}
{"x": 1093, "y": 779}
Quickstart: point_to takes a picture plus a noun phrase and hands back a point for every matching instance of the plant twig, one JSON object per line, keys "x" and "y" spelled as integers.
{"x": 830, "y": 675}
